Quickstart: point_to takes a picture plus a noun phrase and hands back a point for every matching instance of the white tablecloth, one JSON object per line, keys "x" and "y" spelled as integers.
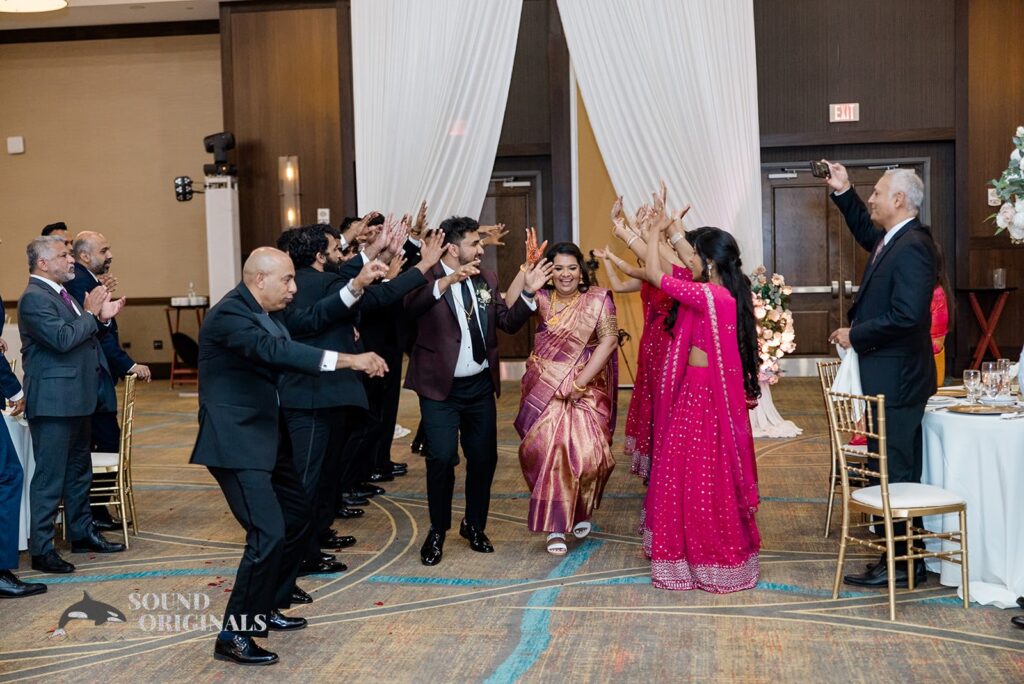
{"x": 13, "y": 339}
{"x": 982, "y": 459}
{"x": 23, "y": 445}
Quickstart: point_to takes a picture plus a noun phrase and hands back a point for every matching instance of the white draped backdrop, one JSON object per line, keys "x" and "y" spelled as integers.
{"x": 670, "y": 88}
{"x": 430, "y": 83}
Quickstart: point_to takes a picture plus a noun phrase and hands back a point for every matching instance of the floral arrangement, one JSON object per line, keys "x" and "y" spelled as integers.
{"x": 1010, "y": 190}
{"x": 775, "y": 336}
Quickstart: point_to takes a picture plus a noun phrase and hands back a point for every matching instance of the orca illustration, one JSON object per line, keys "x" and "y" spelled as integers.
{"x": 90, "y": 609}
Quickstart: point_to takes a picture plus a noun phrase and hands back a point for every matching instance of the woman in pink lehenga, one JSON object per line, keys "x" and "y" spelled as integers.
{"x": 700, "y": 531}
{"x": 567, "y": 412}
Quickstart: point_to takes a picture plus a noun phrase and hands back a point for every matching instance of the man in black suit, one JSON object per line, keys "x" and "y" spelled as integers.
{"x": 66, "y": 381}
{"x": 11, "y": 485}
{"x": 889, "y": 324}
{"x": 92, "y": 262}
{"x": 454, "y": 369}
{"x": 242, "y": 352}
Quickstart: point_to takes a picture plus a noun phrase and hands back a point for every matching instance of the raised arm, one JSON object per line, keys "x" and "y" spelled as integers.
{"x": 613, "y": 265}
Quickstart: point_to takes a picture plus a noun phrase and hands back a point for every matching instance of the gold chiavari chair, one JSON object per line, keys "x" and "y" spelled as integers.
{"x": 119, "y": 493}
{"x": 895, "y": 502}
{"x": 827, "y": 376}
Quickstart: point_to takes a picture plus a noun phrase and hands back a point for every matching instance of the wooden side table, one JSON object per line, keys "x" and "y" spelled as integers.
{"x": 181, "y": 372}
{"x": 988, "y": 323}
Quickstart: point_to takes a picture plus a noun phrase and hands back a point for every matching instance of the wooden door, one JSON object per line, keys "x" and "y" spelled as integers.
{"x": 515, "y": 205}
{"x": 806, "y": 240}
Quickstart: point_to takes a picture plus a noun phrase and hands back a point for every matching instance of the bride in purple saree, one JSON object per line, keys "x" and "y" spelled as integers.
{"x": 567, "y": 412}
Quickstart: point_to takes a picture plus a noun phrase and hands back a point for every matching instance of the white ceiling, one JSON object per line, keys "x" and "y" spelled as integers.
{"x": 100, "y": 12}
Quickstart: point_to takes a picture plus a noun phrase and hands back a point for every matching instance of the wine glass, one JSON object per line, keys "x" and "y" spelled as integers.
{"x": 972, "y": 381}
{"x": 990, "y": 380}
{"x": 1005, "y": 381}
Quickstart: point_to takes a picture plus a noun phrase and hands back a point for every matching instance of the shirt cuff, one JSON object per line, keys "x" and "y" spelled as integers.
{"x": 17, "y": 397}
{"x": 437, "y": 290}
{"x": 343, "y": 242}
{"x": 837, "y": 193}
{"x": 347, "y": 297}
{"x": 530, "y": 301}
{"x": 365, "y": 258}
{"x": 329, "y": 362}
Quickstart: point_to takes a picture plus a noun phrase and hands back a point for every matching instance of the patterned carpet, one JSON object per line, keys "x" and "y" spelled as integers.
{"x": 518, "y": 614}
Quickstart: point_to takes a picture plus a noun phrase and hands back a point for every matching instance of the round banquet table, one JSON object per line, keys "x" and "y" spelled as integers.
{"x": 18, "y": 429}
{"x": 980, "y": 457}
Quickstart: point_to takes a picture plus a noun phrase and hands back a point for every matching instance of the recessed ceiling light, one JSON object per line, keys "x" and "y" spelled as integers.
{"x": 32, "y": 5}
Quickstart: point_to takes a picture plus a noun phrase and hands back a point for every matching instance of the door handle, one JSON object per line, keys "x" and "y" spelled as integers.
{"x": 815, "y": 289}
{"x": 835, "y": 289}
{"x": 849, "y": 288}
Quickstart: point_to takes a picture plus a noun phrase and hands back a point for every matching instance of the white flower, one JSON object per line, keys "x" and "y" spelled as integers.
{"x": 1015, "y": 155}
{"x": 1005, "y": 216}
{"x": 774, "y": 315}
{"x": 787, "y": 290}
{"x": 759, "y": 312}
{"x": 1020, "y": 131}
{"x": 777, "y": 279}
{"x": 483, "y": 295}
{"x": 1018, "y": 220}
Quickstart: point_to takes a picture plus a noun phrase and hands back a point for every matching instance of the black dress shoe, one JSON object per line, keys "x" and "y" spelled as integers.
{"x": 1017, "y": 621}
{"x": 1020, "y": 601}
{"x": 299, "y": 596}
{"x": 12, "y": 587}
{"x": 350, "y": 499}
{"x": 242, "y": 650}
{"x": 51, "y": 562}
{"x": 381, "y": 476}
{"x": 336, "y": 541}
{"x": 478, "y": 541}
{"x": 878, "y": 576}
{"x": 346, "y": 513}
{"x": 317, "y": 568}
{"x": 95, "y": 543}
{"x": 282, "y": 623}
{"x": 433, "y": 548}
{"x": 373, "y": 490}
{"x": 398, "y": 466}
{"x": 416, "y": 446}
{"x": 108, "y": 525}
{"x": 326, "y": 558}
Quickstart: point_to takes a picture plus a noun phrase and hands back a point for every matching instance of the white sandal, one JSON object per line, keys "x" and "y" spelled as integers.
{"x": 556, "y": 544}
{"x": 581, "y": 530}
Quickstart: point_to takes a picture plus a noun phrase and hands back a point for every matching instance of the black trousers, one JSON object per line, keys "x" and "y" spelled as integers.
{"x": 905, "y": 452}
{"x": 317, "y": 439}
{"x": 372, "y": 440}
{"x": 63, "y": 470}
{"x": 273, "y": 509}
{"x": 468, "y": 416}
{"x": 106, "y": 438}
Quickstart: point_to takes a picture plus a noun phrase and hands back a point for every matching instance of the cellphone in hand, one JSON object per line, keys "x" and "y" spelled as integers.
{"x": 820, "y": 169}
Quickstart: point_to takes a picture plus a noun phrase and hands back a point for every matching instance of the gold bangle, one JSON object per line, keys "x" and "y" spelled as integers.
{"x": 522, "y": 268}
{"x": 629, "y": 243}
{"x": 578, "y": 388}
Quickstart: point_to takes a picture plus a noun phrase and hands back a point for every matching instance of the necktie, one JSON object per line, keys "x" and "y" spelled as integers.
{"x": 67, "y": 300}
{"x": 878, "y": 250}
{"x": 475, "y": 336}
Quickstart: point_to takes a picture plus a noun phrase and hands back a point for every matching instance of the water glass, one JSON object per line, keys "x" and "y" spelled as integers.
{"x": 990, "y": 380}
{"x": 972, "y": 382}
{"x": 1006, "y": 382}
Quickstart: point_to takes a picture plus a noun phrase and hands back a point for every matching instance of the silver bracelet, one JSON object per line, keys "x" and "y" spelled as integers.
{"x": 675, "y": 238}
{"x": 629, "y": 243}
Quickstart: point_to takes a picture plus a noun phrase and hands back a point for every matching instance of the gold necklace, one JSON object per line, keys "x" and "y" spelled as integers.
{"x": 555, "y": 299}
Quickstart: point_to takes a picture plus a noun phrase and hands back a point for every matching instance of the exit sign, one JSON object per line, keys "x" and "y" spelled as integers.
{"x": 847, "y": 111}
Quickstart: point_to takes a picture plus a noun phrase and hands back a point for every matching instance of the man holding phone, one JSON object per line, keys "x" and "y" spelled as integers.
{"x": 889, "y": 324}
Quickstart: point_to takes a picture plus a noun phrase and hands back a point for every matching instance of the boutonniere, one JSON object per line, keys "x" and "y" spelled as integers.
{"x": 483, "y": 294}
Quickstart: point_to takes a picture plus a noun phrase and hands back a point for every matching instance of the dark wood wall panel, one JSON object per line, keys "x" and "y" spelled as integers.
{"x": 897, "y": 59}
{"x": 528, "y": 112}
{"x": 281, "y": 98}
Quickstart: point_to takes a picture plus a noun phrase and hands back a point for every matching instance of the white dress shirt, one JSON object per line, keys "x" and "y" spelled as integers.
{"x": 465, "y": 366}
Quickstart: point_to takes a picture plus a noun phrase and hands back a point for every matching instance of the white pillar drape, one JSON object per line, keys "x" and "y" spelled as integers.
{"x": 430, "y": 83}
{"x": 670, "y": 88}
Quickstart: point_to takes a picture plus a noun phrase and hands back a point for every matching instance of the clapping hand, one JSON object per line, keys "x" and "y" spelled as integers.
{"x": 108, "y": 281}
{"x": 371, "y": 271}
{"x": 395, "y": 267}
{"x": 492, "y": 235}
{"x": 368, "y": 363}
{"x": 534, "y": 252}
{"x": 538, "y": 274}
{"x": 111, "y": 308}
{"x": 419, "y": 226}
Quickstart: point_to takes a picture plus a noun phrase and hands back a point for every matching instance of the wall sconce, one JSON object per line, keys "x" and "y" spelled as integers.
{"x": 290, "y": 192}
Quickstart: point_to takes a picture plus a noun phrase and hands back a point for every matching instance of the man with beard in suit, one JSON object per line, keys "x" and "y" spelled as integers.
{"x": 454, "y": 369}
{"x": 93, "y": 257}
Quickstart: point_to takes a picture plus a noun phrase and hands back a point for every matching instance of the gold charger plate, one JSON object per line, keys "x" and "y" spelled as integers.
{"x": 958, "y": 392}
{"x": 982, "y": 410}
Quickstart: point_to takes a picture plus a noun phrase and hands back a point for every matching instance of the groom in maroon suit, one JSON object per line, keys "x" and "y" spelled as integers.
{"x": 453, "y": 367}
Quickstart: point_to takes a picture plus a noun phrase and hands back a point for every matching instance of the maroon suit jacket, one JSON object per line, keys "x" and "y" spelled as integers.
{"x": 436, "y": 350}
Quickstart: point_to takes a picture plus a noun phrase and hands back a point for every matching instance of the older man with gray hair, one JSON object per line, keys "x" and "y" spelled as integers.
{"x": 64, "y": 370}
{"x": 889, "y": 325}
